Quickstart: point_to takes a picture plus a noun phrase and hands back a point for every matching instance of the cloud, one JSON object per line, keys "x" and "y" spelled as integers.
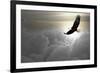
{"x": 56, "y": 37}
{"x": 33, "y": 43}
{"x": 81, "y": 48}
{"x": 60, "y": 53}
{"x": 53, "y": 46}
{"x": 58, "y": 48}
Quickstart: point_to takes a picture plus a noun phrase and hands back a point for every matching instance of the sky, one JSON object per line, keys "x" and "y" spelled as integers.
{"x": 53, "y": 19}
{"x": 43, "y": 38}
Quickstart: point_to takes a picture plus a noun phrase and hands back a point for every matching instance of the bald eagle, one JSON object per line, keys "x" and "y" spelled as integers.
{"x": 75, "y": 25}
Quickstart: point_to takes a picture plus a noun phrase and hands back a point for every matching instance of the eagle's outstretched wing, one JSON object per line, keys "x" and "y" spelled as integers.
{"x": 76, "y": 22}
{"x": 75, "y": 25}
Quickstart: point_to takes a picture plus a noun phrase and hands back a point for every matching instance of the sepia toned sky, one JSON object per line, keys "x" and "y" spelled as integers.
{"x": 63, "y": 21}
{"x": 43, "y": 38}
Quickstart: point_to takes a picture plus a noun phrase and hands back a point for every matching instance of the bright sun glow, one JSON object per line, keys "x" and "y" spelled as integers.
{"x": 73, "y": 38}
{"x": 75, "y": 35}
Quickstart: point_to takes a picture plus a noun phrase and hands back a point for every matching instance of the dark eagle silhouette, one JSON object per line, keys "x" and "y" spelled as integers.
{"x": 75, "y": 25}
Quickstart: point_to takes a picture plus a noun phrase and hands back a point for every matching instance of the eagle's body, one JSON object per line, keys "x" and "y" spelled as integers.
{"x": 75, "y": 25}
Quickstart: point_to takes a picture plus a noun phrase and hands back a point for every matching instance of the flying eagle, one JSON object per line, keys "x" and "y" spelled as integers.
{"x": 75, "y": 25}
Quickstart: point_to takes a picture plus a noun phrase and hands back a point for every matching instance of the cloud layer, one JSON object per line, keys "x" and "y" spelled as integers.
{"x": 53, "y": 46}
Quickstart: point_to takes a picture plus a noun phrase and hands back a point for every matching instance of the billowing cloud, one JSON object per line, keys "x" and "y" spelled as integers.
{"x": 33, "y": 43}
{"x": 81, "y": 48}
